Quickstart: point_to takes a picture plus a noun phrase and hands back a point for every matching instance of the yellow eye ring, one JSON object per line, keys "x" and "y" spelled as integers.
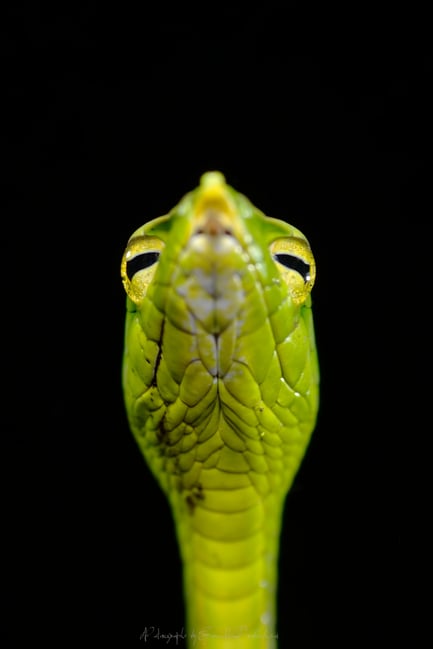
{"x": 139, "y": 264}
{"x": 296, "y": 265}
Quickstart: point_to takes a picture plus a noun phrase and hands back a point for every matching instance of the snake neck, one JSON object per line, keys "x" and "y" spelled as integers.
{"x": 226, "y": 481}
{"x": 228, "y": 537}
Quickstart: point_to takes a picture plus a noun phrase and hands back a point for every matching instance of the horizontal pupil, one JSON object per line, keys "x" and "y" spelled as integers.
{"x": 140, "y": 262}
{"x": 294, "y": 263}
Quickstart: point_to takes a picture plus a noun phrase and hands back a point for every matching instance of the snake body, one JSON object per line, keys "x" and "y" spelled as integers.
{"x": 220, "y": 379}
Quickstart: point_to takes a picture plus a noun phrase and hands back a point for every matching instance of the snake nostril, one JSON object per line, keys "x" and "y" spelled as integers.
{"x": 213, "y": 223}
{"x": 213, "y": 229}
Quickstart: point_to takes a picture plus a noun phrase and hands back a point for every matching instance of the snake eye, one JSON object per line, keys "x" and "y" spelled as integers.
{"x": 296, "y": 265}
{"x": 139, "y": 263}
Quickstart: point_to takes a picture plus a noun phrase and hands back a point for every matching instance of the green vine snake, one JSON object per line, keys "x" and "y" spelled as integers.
{"x": 220, "y": 379}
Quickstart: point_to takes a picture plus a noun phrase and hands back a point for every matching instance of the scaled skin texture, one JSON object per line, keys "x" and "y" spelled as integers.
{"x": 220, "y": 379}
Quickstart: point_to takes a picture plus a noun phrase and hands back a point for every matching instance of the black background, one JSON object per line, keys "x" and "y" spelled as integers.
{"x": 319, "y": 115}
